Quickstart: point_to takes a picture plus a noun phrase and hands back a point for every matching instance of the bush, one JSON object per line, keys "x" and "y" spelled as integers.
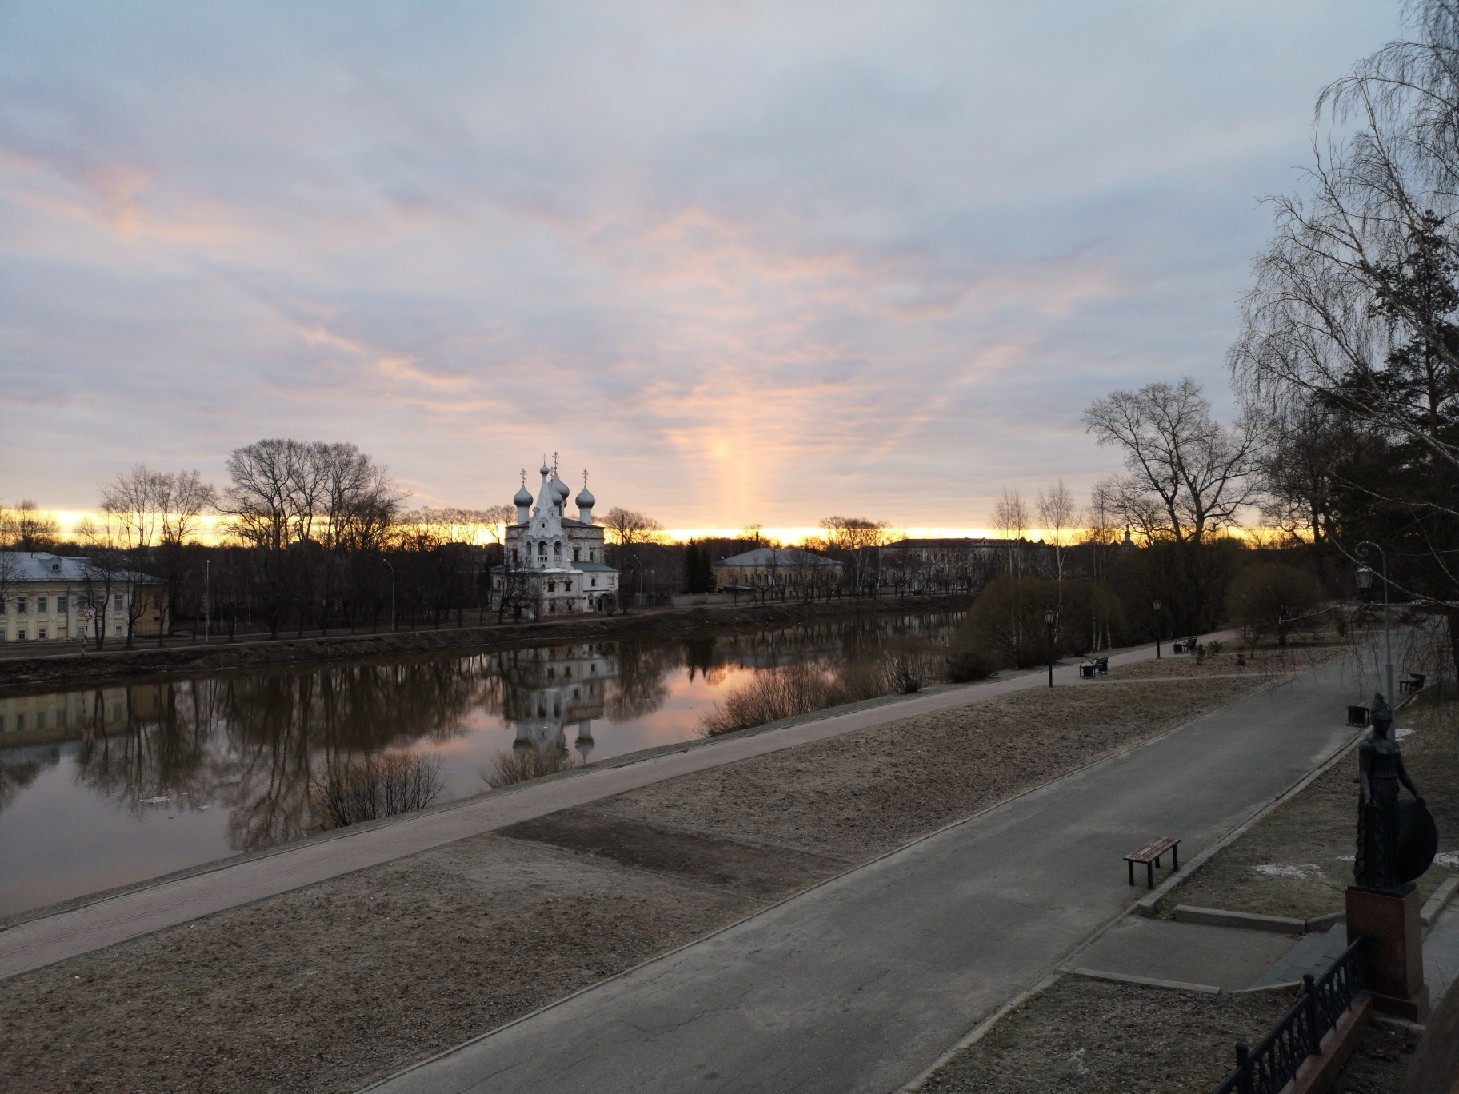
{"x": 366, "y": 788}
{"x": 1271, "y": 598}
{"x": 521, "y": 764}
{"x": 777, "y": 693}
{"x": 966, "y": 666}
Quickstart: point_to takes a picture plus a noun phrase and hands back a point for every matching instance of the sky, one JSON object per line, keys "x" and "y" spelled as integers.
{"x": 746, "y": 263}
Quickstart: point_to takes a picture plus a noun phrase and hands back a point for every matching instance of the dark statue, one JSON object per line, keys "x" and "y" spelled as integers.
{"x": 1396, "y": 839}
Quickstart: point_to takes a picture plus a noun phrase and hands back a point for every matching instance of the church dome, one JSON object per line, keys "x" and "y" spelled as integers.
{"x": 521, "y": 497}
{"x": 585, "y": 499}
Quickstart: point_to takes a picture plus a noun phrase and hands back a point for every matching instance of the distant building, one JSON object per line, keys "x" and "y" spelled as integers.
{"x": 552, "y": 563}
{"x": 943, "y": 565}
{"x": 52, "y": 598}
{"x": 781, "y": 571}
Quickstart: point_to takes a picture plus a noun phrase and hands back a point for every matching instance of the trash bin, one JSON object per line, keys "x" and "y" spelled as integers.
{"x": 1177, "y": 647}
{"x": 1357, "y": 716}
{"x": 1086, "y": 671}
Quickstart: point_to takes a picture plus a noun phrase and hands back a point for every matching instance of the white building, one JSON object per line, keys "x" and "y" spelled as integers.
{"x": 554, "y": 564}
{"x": 51, "y": 598}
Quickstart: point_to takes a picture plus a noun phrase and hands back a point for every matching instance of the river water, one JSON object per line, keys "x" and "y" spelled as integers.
{"x": 102, "y": 787}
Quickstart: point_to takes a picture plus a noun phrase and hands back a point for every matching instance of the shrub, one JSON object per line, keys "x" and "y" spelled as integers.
{"x": 1271, "y": 598}
{"x": 364, "y": 788}
{"x": 966, "y": 666}
{"x": 781, "y": 692}
{"x": 521, "y": 764}
{"x": 791, "y": 690}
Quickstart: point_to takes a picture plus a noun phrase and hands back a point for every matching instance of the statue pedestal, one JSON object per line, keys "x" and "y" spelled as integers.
{"x": 1393, "y": 960}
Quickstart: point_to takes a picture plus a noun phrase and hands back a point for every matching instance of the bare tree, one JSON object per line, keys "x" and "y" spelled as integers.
{"x": 625, "y": 527}
{"x": 1198, "y": 470}
{"x": 1010, "y": 520}
{"x": 105, "y": 571}
{"x": 858, "y": 539}
{"x": 133, "y": 504}
{"x": 296, "y": 503}
{"x": 27, "y": 527}
{"x": 1355, "y": 308}
{"x": 1056, "y": 518}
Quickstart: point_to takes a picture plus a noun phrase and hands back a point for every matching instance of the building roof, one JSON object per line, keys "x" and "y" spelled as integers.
{"x": 768, "y": 557}
{"x": 39, "y": 566}
{"x": 35, "y": 566}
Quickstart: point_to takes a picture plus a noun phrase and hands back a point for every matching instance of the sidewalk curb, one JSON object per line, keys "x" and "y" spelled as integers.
{"x": 1147, "y": 981}
{"x": 1436, "y": 903}
{"x": 1219, "y": 917}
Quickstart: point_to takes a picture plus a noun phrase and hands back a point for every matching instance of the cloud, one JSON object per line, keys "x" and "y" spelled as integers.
{"x": 748, "y": 261}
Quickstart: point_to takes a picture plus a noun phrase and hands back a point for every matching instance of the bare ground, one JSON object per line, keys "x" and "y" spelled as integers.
{"x": 331, "y": 986}
{"x": 1098, "y": 1037}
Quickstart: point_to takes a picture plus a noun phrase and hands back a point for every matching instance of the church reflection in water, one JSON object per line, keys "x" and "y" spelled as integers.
{"x": 549, "y": 689}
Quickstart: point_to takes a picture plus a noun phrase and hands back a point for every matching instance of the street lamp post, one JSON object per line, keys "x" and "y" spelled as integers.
{"x": 391, "y": 568}
{"x": 1365, "y": 581}
{"x": 1049, "y": 622}
{"x": 1158, "y": 629}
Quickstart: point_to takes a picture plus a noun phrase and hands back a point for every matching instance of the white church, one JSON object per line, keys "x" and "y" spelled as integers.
{"x": 553, "y": 564}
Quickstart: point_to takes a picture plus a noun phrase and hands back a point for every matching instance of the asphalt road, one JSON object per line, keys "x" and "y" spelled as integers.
{"x": 863, "y": 982}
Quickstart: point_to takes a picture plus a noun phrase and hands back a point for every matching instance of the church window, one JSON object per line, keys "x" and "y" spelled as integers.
{"x": 577, "y": 554}
{"x": 541, "y": 550}
{"x": 557, "y": 550}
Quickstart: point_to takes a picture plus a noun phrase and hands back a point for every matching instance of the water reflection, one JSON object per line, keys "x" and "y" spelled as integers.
{"x": 106, "y": 785}
{"x": 546, "y": 689}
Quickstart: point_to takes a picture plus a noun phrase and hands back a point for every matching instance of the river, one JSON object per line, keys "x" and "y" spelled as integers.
{"x": 101, "y": 787}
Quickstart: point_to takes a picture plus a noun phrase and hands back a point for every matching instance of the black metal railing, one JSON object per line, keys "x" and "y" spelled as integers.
{"x": 1275, "y": 1061}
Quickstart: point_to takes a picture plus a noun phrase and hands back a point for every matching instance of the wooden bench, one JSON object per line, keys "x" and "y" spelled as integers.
{"x": 1415, "y": 682}
{"x": 1150, "y": 855}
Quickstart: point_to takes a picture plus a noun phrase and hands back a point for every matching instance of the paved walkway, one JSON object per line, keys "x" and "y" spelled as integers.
{"x": 128, "y": 915}
{"x": 863, "y": 982}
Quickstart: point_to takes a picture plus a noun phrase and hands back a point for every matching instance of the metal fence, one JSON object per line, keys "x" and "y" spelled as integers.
{"x": 1276, "y": 1060}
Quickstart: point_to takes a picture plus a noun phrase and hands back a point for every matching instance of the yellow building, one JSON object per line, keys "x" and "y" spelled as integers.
{"x": 53, "y": 598}
{"x": 783, "y": 571}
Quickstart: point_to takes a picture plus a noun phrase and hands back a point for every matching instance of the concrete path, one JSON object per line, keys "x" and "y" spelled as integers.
{"x": 863, "y": 982}
{"x": 1229, "y": 958}
{"x": 136, "y": 912}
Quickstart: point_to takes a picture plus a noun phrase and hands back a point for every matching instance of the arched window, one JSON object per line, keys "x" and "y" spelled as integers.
{"x": 557, "y": 550}
{"x": 542, "y": 550}
{"x": 577, "y": 554}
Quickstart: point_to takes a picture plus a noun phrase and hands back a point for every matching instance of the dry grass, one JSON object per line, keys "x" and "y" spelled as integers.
{"x": 337, "y": 984}
{"x": 862, "y": 793}
{"x": 1097, "y": 1037}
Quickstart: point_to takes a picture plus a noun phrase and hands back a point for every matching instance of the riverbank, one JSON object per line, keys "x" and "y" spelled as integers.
{"x": 19, "y": 675}
{"x": 326, "y": 987}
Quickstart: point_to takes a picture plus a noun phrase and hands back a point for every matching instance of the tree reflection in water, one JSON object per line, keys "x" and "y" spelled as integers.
{"x": 252, "y": 743}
